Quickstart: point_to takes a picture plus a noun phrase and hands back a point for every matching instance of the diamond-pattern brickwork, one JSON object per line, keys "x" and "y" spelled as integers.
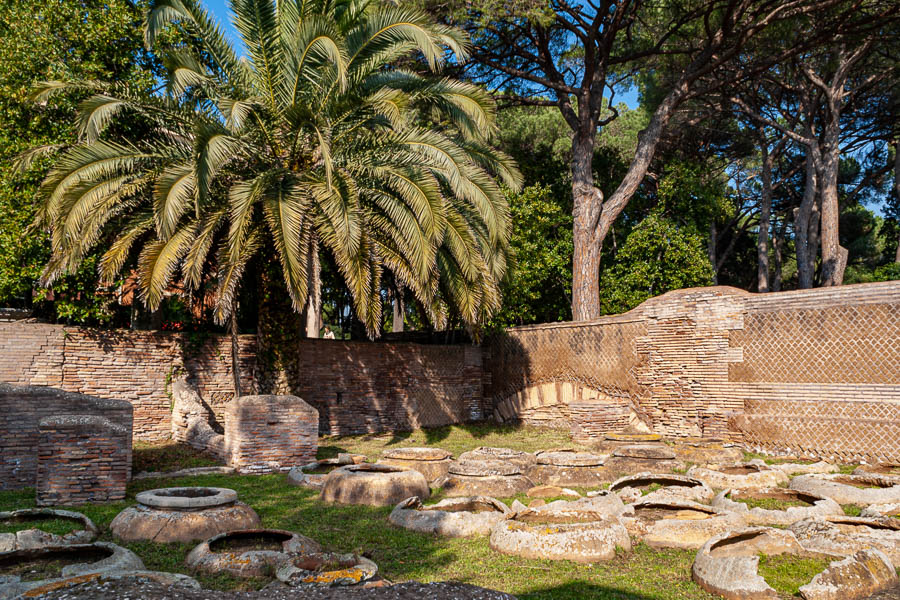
{"x": 832, "y": 344}
{"x": 811, "y": 371}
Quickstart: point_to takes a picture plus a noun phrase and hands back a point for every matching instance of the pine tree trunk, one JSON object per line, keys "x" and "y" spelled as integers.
{"x": 765, "y": 212}
{"x": 778, "y": 256}
{"x": 711, "y": 250}
{"x": 834, "y": 257}
{"x": 801, "y": 225}
{"x": 897, "y": 188}
{"x": 588, "y": 202}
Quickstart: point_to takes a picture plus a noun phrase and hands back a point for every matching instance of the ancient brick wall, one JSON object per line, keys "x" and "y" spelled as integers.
{"x": 812, "y": 371}
{"x": 265, "y": 434}
{"x": 21, "y": 410}
{"x": 362, "y": 387}
{"x": 137, "y": 366}
{"x": 358, "y": 387}
{"x": 82, "y": 459}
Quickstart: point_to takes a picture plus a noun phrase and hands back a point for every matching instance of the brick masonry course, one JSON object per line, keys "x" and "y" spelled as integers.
{"x": 810, "y": 371}
{"x": 22, "y": 409}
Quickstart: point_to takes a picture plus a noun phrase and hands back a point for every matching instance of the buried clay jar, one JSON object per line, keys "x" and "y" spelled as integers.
{"x": 453, "y": 517}
{"x": 32, "y": 536}
{"x": 373, "y": 485}
{"x": 249, "y": 553}
{"x": 183, "y": 514}
{"x": 581, "y": 538}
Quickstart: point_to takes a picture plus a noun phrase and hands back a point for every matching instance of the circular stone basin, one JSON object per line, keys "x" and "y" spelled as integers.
{"x": 183, "y": 515}
{"x": 22, "y": 570}
{"x": 677, "y": 523}
{"x": 517, "y": 457}
{"x": 326, "y": 569}
{"x": 249, "y": 553}
{"x": 706, "y": 451}
{"x": 842, "y": 536}
{"x": 31, "y": 536}
{"x": 739, "y": 476}
{"x": 540, "y": 535}
{"x": 661, "y": 486}
{"x": 373, "y": 485}
{"x": 728, "y": 565}
{"x": 776, "y": 506}
{"x": 453, "y": 517}
{"x": 611, "y": 441}
{"x": 187, "y": 498}
{"x": 882, "y": 510}
{"x": 594, "y": 508}
{"x": 891, "y": 470}
{"x": 627, "y": 460}
{"x": 430, "y": 462}
{"x": 861, "y": 490}
{"x": 313, "y": 475}
{"x": 568, "y": 468}
{"x": 495, "y": 478}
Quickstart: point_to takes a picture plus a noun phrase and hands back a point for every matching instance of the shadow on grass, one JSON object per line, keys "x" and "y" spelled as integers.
{"x": 168, "y": 456}
{"x": 582, "y": 590}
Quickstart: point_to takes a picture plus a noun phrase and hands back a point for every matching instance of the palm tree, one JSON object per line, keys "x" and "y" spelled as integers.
{"x": 314, "y": 142}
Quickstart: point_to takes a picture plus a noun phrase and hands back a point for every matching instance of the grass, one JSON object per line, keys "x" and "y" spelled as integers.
{"x": 642, "y": 574}
{"x": 852, "y": 510}
{"x": 786, "y": 573}
{"x": 456, "y": 439}
{"x": 56, "y": 526}
{"x": 168, "y": 456}
{"x": 770, "y": 503}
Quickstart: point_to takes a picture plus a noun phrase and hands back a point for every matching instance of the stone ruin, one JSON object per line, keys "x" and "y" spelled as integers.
{"x": 261, "y": 433}
{"x": 73, "y": 448}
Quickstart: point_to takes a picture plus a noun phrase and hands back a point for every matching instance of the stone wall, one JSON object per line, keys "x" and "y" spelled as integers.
{"x": 358, "y": 387}
{"x": 811, "y": 371}
{"x": 22, "y": 408}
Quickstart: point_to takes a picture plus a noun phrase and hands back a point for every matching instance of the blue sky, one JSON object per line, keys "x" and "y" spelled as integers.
{"x": 220, "y": 9}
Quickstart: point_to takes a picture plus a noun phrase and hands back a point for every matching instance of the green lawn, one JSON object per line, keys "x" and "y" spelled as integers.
{"x": 643, "y": 574}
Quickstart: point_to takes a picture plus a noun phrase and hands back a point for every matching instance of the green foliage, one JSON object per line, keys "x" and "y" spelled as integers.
{"x": 658, "y": 256}
{"x": 54, "y": 40}
{"x": 888, "y": 272}
{"x": 539, "y": 282}
{"x": 316, "y": 144}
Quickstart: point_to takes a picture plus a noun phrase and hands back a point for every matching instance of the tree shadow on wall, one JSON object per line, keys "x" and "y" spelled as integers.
{"x": 510, "y": 369}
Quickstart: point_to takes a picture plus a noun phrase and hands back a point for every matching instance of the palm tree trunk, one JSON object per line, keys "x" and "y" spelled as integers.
{"x": 235, "y": 349}
{"x": 314, "y": 299}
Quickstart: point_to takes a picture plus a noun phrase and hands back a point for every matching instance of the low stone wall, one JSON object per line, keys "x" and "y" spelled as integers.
{"x": 82, "y": 459}
{"x": 22, "y": 408}
{"x": 813, "y": 371}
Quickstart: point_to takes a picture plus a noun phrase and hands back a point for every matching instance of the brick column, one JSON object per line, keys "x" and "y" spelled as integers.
{"x": 81, "y": 459}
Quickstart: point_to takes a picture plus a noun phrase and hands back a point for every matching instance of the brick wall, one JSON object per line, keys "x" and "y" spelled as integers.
{"x": 811, "y": 371}
{"x": 362, "y": 387}
{"x": 270, "y": 433}
{"x": 21, "y": 410}
{"x": 82, "y": 459}
{"x": 358, "y": 387}
{"x": 136, "y": 366}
